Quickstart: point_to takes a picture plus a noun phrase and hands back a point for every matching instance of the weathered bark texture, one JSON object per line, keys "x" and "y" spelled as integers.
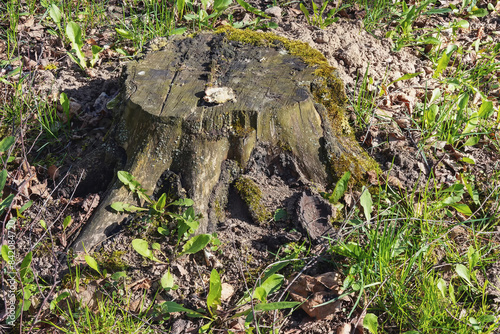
{"x": 166, "y": 123}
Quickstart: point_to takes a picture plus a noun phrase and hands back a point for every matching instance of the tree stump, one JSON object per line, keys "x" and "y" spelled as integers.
{"x": 204, "y": 108}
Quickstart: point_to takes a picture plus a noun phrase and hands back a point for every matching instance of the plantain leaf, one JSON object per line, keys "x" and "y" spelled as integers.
{"x": 3, "y": 180}
{"x": 215, "y": 291}
{"x": 92, "y": 263}
{"x": 55, "y": 13}
{"x": 66, "y": 222}
{"x": 196, "y": 243}
{"x": 340, "y": 188}
{"x": 6, "y": 143}
{"x": 463, "y": 272}
{"x": 370, "y": 322}
{"x": 444, "y": 60}
{"x": 142, "y": 247}
{"x": 125, "y": 34}
{"x": 167, "y": 280}
{"x": 366, "y": 202}
{"x": 486, "y": 109}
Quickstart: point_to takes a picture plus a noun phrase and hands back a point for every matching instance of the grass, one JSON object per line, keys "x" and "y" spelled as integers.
{"x": 419, "y": 265}
{"x": 408, "y": 252}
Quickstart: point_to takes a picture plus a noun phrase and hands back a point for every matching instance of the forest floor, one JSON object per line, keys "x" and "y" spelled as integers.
{"x": 420, "y": 254}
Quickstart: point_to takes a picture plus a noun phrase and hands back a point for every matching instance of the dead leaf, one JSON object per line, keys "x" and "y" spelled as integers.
{"x": 227, "y": 291}
{"x": 344, "y": 14}
{"x": 403, "y": 122}
{"x": 372, "y": 177}
{"x": 480, "y": 33}
{"x": 408, "y": 101}
{"x": 344, "y": 329}
{"x": 53, "y": 172}
{"x": 26, "y": 25}
{"x": 90, "y": 202}
{"x": 40, "y": 189}
{"x": 394, "y": 181}
{"x": 79, "y": 259}
{"x": 135, "y": 305}
{"x": 237, "y": 325}
{"x": 314, "y": 291}
{"x": 144, "y": 283}
{"x": 384, "y": 112}
{"x": 394, "y": 135}
{"x": 331, "y": 280}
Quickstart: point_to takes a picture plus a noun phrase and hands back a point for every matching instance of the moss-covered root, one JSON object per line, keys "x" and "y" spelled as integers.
{"x": 252, "y": 196}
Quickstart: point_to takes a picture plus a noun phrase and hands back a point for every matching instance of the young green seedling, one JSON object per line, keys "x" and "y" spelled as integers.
{"x": 74, "y": 33}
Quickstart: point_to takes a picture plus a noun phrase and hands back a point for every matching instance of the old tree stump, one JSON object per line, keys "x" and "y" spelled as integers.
{"x": 198, "y": 112}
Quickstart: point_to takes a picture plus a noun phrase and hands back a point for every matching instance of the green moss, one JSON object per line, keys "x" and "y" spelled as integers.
{"x": 296, "y": 48}
{"x": 252, "y": 196}
{"x": 219, "y": 212}
{"x": 284, "y": 146}
{"x": 355, "y": 164}
{"x": 241, "y": 132}
{"x": 113, "y": 261}
{"x": 327, "y": 90}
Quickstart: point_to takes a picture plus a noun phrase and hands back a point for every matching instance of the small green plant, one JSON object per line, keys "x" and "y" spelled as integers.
{"x": 269, "y": 284}
{"x": 167, "y": 281}
{"x": 404, "y": 33}
{"x": 56, "y": 16}
{"x": 153, "y": 19}
{"x": 469, "y": 8}
{"x": 5, "y": 145}
{"x": 187, "y": 222}
{"x": 317, "y": 17}
{"x": 338, "y": 191}
{"x": 206, "y": 20}
{"x": 29, "y": 288}
{"x": 74, "y": 34}
{"x": 213, "y": 299}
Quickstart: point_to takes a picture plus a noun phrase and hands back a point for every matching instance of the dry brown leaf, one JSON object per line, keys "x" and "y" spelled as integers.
{"x": 53, "y": 172}
{"x": 349, "y": 200}
{"x": 313, "y": 291}
{"x": 384, "y": 112}
{"x": 40, "y": 189}
{"x": 406, "y": 100}
{"x": 403, "y": 122}
{"x": 372, "y": 177}
{"x": 90, "y": 202}
{"x": 135, "y": 305}
{"x": 480, "y": 33}
{"x": 144, "y": 283}
{"x": 237, "y": 325}
{"x": 26, "y": 25}
{"x": 344, "y": 329}
{"x": 331, "y": 280}
{"x": 227, "y": 291}
{"x": 396, "y": 136}
{"x": 394, "y": 181}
